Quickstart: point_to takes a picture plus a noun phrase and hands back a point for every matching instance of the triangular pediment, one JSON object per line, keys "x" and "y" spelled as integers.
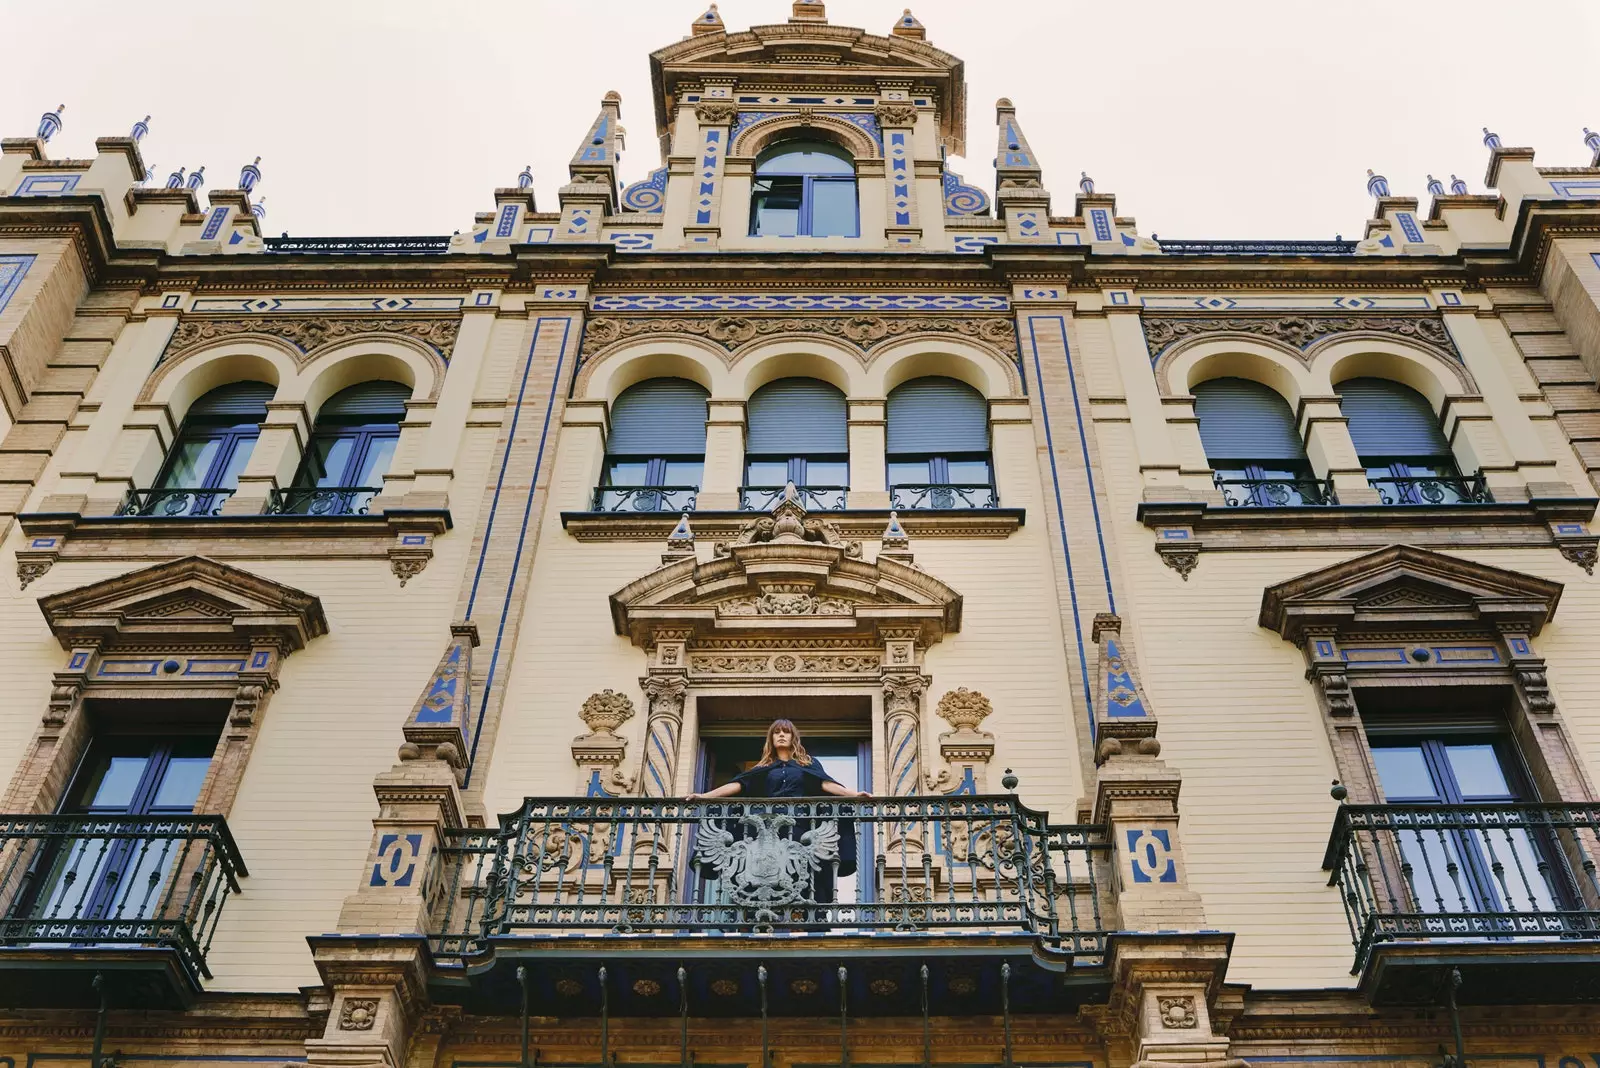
{"x": 1406, "y": 586}
{"x": 187, "y": 599}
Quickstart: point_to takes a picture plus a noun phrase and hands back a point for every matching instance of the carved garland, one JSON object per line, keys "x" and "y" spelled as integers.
{"x": 1297, "y": 330}
{"x": 731, "y": 331}
{"x": 309, "y": 333}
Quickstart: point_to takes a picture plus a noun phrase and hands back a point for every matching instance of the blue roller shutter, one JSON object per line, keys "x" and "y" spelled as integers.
{"x": 240, "y": 402}
{"x": 937, "y": 415}
{"x": 1244, "y": 420}
{"x": 659, "y": 417}
{"x": 796, "y": 417}
{"x": 369, "y": 402}
{"x": 1389, "y": 419}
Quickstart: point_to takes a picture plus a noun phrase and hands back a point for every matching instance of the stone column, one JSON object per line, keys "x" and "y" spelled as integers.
{"x": 724, "y": 464}
{"x": 897, "y": 116}
{"x": 665, "y": 689}
{"x": 903, "y": 687}
{"x": 1327, "y": 436}
{"x": 716, "y": 113}
{"x": 1159, "y": 465}
{"x": 868, "y": 475}
{"x": 273, "y": 460}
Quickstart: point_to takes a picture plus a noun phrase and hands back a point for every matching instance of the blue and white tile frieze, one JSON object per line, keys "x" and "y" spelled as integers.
{"x": 826, "y": 302}
{"x": 1297, "y": 302}
{"x": 281, "y": 305}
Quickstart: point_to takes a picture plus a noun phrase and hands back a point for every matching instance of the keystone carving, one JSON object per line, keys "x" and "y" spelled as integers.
{"x": 310, "y": 333}
{"x": 731, "y": 331}
{"x": 1297, "y": 330}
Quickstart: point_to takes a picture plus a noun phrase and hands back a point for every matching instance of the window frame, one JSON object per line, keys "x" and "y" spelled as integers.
{"x": 805, "y": 213}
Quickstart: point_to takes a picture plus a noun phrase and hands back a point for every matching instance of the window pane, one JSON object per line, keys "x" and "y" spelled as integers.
{"x": 242, "y": 449}
{"x": 908, "y": 473}
{"x": 190, "y": 462}
{"x": 833, "y": 208}
{"x": 117, "y": 782}
{"x": 329, "y": 457}
{"x": 627, "y": 472}
{"x": 767, "y": 472}
{"x": 775, "y": 207}
{"x": 800, "y": 157}
{"x": 380, "y": 451}
{"x": 1478, "y": 772}
{"x": 827, "y": 473}
{"x": 180, "y": 786}
{"x": 969, "y": 472}
{"x": 683, "y": 473}
{"x": 1403, "y": 773}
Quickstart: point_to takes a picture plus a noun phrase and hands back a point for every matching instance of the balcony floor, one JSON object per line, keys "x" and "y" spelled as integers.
{"x": 61, "y": 977}
{"x": 1521, "y": 972}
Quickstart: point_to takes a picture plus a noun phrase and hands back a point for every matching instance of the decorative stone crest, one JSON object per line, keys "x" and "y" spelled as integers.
{"x": 310, "y": 333}
{"x": 731, "y": 331}
{"x": 1297, "y": 330}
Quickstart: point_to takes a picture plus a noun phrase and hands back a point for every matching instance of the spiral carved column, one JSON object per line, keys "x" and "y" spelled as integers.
{"x": 664, "y": 695}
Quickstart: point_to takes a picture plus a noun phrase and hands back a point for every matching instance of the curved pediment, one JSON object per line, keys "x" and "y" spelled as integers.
{"x": 786, "y": 575}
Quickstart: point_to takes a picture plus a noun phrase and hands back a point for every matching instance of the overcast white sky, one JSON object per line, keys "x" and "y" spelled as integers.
{"x": 1207, "y": 118}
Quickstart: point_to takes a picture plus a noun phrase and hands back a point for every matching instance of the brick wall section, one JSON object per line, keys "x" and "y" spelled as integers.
{"x": 1563, "y": 378}
{"x": 32, "y": 322}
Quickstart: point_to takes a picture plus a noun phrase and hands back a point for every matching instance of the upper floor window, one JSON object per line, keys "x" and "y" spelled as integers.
{"x": 1398, "y": 441}
{"x": 938, "y": 446}
{"x": 351, "y": 448}
{"x": 656, "y": 449}
{"x": 215, "y": 443}
{"x": 1253, "y": 446}
{"x": 796, "y": 432}
{"x": 804, "y": 189}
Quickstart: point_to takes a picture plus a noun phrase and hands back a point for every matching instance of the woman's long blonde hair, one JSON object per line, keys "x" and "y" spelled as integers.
{"x": 797, "y": 751}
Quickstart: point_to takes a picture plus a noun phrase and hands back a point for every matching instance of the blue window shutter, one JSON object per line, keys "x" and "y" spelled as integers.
{"x": 794, "y": 417}
{"x": 1389, "y": 419}
{"x": 368, "y": 402}
{"x": 659, "y": 417}
{"x": 238, "y": 402}
{"x": 1245, "y": 420}
{"x": 937, "y": 415}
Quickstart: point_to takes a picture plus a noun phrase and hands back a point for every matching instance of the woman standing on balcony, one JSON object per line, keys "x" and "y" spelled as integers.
{"x": 787, "y": 770}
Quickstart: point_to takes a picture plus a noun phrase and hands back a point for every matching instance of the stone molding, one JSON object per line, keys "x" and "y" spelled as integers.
{"x": 1298, "y": 331}
{"x": 731, "y": 331}
{"x": 309, "y": 333}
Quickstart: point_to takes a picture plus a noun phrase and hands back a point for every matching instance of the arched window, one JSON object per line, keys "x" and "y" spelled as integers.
{"x": 1397, "y": 437}
{"x": 1253, "y": 446}
{"x": 202, "y": 470}
{"x": 938, "y": 446}
{"x": 656, "y": 449}
{"x": 796, "y": 432}
{"x": 351, "y": 448}
{"x": 804, "y": 189}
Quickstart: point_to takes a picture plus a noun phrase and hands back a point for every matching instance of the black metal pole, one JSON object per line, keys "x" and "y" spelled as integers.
{"x": 844, "y": 1028}
{"x": 605, "y": 1022}
{"x": 1451, "y": 984}
{"x": 683, "y": 1017}
{"x": 99, "y": 984}
{"x": 1005, "y": 1009}
{"x": 761, "y": 978}
{"x": 927, "y": 1037}
{"x": 522, "y": 981}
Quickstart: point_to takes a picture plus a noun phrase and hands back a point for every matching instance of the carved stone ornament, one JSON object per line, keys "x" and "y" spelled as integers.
{"x": 1336, "y": 695}
{"x": 1177, "y": 1013}
{"x": 731, "y": 331}
{"x": 605, "y": 711}
{"x": 1182, "y": 559}
{"x": 28, "y": 570}
{"x": 358, "y": 1014}
{"x": 896, "y": 114}
{"x": 716, "y": 112}
{"x": 310, "y": 333}
{"x": 1297, "y": 330}
{"x": 1582, "y": 554}
{"x": 964, "y": 709}
{"x": 788, "y": 522}
{"x": 785, "y": 599}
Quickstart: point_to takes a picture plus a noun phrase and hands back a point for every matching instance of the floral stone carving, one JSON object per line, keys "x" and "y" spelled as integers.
{"x": 309, "y": 333}
{"x": 731, "y": 331}
{"x": 605, "y": 711}
{"x": 964, "y": 709}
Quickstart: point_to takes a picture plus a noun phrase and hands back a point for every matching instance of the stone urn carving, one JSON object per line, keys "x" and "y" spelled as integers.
{"x": 605, "y": 711}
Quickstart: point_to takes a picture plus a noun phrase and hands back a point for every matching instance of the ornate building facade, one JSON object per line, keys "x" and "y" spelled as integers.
{"x": 1209, "y": 626}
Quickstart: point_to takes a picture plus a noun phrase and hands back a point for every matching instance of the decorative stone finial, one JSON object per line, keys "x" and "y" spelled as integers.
{"x": 908, "y": 26}
{"x": 175, "y": 179}
{"x": 964, "y": 709}
{"x": 1085, "y": 183}
{"x": 1010, "y": 780}
{"x": 808, "y": 11}
{"x": 50, "y": 122}
{"x": 1338, "y": 791}
{"x": 249, "y": 175}
{"x": 140, "y": 128}
{"x": 896, "y": 543}
{"x": 1016, "y": 168}
{"x": 1377, "y": 184}
{"x": 1592, "y": 140}
{"x": 1435, "y": 187}
{"x": 1490, "y": 140}
{"x": 525, "y": 179}
{"x": 680, "y": 543}
{"x": 197, "y": 178}
{"x": 259, "y": 208}
{"x": 1457, "y": 186}
{"x": 149, "y": 174}
{"x": 710, "y": 22}
{"x": 605, "y": 711}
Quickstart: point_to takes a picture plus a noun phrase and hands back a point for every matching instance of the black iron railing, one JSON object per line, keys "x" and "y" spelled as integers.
{"x": 322, "y": 500}
{"x": 359, "y": 246}
{"x": 645, "y": 498}
{"x": 1432, "y": 489}
{"x": 812, "y": 498}
{"x": 941, "y": 495}
{"x": 1466, "y": 872}
{"x": 174, "y": 502}
{"x": 640, "y": 868}
{"x": 1257, "y": 248}
{"x": 116, "y": 881}
{"x": 1275, "y": 492}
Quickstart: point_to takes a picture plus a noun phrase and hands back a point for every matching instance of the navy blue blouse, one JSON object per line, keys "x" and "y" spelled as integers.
{"x": 784, "y": 778}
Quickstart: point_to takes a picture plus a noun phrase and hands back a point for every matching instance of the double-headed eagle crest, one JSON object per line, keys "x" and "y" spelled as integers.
{"x": 767, "y": 869}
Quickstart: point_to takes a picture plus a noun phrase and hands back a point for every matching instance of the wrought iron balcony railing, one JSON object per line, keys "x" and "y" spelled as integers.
{"x": 1483, "y": 872}
{"x": 1275, "y": 492}
{"x": 174, "y": 502}
{"x": 80, "y": 883}
{"x": 645, "y": 498}
{"x": 1432, "y": 489}
{"x": 1257, "y": 248}
{"x": 359, "y": 246}
{"x": 813, "y": 498}
{"x": 322, "y": 500}
{"x": 639, "y": 868}
{"x": 941, "y": 495}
